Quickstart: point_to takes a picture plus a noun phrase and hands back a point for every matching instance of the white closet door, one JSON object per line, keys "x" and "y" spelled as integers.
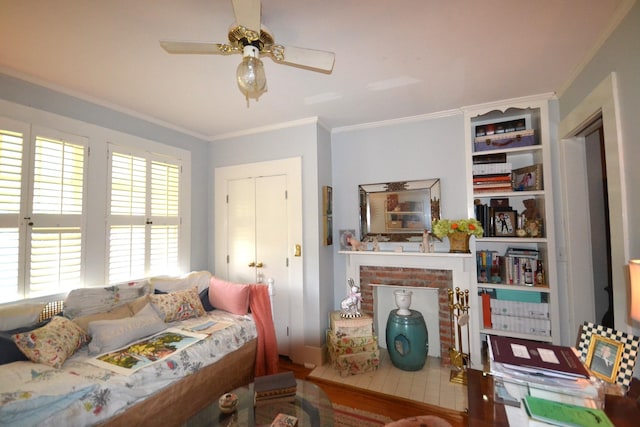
{"x": 241, "y": 237}
{"x": 257, "y": 242}
{"x": 271, "y": 250}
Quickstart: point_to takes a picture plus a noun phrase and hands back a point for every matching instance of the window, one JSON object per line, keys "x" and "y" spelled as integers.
{"x": 79, "y": 211}
{"x": 42, "y": 184}
{"x": 144, "y": 215}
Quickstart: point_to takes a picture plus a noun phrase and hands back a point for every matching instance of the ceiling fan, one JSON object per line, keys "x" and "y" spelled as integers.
{"x": 249, "y": 37}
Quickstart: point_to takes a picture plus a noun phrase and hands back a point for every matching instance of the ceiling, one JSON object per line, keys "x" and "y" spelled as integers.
{"x": 394, "y": 59}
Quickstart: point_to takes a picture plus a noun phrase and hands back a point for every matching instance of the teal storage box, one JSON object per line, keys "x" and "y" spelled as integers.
{"x": 521, "y": 296}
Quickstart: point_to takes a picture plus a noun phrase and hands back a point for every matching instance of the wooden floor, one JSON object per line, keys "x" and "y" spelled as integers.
{"x": 378, "y": 403}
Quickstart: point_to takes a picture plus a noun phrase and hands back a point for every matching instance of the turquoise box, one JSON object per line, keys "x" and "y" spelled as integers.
{"x": 515, "y": 295}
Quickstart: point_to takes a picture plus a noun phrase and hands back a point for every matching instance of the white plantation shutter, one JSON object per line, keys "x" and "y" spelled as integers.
{"x": 56, "y": 256}
{"x": 55, "y": 246}
{"x": 128, "y": 185}
{"x": 144, "y": 221}
{"x": 165, "y": 203}
{"x": 126, "y": 252}
{"x": 41, "y": 205}
{"x": 127, "y": 219}
{"x": 11, "y": 160}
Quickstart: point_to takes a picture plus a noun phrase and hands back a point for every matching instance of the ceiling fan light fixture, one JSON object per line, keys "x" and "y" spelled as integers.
{"x": 252, "y": 80}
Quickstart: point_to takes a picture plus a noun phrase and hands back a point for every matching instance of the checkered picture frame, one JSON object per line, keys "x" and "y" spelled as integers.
{"x": 629, "y": 352}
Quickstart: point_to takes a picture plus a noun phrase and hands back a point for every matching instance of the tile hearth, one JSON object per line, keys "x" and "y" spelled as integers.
{"x": 429, "y": 385}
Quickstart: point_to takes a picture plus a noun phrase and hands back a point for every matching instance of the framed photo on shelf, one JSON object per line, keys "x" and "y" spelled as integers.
{"x": 504, "y": 223}
{"x": 603, "y": 358}
{"x": 528, "y": 178}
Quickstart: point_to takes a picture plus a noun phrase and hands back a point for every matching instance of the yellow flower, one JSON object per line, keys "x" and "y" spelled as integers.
{"x": 444, "y": 227}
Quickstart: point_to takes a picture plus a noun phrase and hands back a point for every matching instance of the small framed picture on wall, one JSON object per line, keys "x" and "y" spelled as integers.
{"x": 327, "y": 216}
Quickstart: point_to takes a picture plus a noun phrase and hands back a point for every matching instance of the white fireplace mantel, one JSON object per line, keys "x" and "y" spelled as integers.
{"x": 462, "y": 267}
{"x": 458, "y": 263}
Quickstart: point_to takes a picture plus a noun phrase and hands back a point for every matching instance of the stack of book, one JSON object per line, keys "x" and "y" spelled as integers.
{"x": 491, "y": 173}
{"x": 518, "y": 263}
{"x": 280, "y": 387}
{"x": 529, "y": 368}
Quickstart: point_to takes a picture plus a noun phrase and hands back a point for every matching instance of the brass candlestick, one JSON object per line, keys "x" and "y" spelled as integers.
{"x": 459, "y": 315}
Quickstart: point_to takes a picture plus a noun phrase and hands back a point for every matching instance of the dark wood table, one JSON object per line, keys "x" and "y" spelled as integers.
{"x": 483, "y": 411}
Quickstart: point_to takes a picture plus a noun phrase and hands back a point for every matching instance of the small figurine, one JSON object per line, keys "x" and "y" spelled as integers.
{"x": 228, "y": 403}
{"x": 426, "y": 244}
{"x": 350, "y": 304}
{"x": 376, "y": 245}
{"x": 355, "y": 244}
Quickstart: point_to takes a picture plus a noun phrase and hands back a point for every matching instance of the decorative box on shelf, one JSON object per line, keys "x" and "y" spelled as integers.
{"x": 352, "y": 346}
{"x": 501, "y": 141}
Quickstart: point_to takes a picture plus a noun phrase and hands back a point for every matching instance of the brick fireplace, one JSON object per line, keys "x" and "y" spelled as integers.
{"x": 412, "y": 278}
{"x": 436, "y": 270}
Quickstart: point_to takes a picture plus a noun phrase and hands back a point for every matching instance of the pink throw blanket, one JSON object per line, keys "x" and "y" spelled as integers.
{"x": 267, "y": 355}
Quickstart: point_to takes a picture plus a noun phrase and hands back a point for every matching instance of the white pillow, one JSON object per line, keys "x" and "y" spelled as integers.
{"x": 200, "y": 279}
{"x": 85, "y": 301}
{"x": 107, "y": 335}
{"x": 20, "y": 315}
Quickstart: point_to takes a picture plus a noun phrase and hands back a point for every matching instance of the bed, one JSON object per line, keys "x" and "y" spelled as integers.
{"x": 223, "y": 350}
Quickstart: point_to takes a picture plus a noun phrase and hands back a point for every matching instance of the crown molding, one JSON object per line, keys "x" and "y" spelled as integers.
{"x": 402, "y": 120}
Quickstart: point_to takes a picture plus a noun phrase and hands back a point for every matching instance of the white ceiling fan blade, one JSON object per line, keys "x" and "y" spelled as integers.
{"x": 206, "y": 48}
{"x": 248, "y": 14}
{"x": 308, "y": 58}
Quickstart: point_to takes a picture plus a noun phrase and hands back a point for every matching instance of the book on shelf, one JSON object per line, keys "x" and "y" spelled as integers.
{"x": 491, "y": 168}
{"x": 284, "y": 420}
{"x": 522, "y": 252}
{"x": 498, "y": 177}
{"x": 278, "y": 384}
{"x": 490, "y": 158}
{"x": 536, "y": 358}
{"x": 565, "y": 414}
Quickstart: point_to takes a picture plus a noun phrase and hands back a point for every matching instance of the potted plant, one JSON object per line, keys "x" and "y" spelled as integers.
{"x": 459, "y": 231}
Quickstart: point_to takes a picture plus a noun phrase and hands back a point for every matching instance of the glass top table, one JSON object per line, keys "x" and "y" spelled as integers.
{"x": 311, "y": 406}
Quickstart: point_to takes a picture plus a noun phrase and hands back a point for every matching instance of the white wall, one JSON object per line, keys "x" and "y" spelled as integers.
{"x": 297, "y": 141}
{"x": 428, "y": 147}
{"x": 620, "y": 53}
{"x": 47, "y": 100}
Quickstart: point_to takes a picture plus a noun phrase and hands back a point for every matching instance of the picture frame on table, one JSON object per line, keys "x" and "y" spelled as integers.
{"x": 590, "y": 331}
{"x": 603, "y": 358}
{"x": 528, "y": 178}
{"x": 504, "y": 223}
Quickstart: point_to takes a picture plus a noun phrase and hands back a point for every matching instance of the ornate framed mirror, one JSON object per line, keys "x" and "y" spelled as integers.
{"x": 398, "y": 211}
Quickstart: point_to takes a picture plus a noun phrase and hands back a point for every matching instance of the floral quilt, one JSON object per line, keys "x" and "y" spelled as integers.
{"x": 82, "y": 394}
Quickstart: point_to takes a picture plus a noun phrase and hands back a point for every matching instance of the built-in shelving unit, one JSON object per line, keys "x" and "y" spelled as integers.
{"x": 494, "y": 146}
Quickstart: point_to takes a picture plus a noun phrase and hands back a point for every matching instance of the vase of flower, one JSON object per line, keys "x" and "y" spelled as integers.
{"x": 459, "y": 243}
{"x": 459, "y": 232}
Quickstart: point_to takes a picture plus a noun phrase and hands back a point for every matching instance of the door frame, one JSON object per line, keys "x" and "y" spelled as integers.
{"x": 292, "y": 168}
{"x": 602, "y": 100}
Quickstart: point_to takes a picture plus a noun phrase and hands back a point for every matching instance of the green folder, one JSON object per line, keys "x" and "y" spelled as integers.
{"x": 565, "y": 414}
